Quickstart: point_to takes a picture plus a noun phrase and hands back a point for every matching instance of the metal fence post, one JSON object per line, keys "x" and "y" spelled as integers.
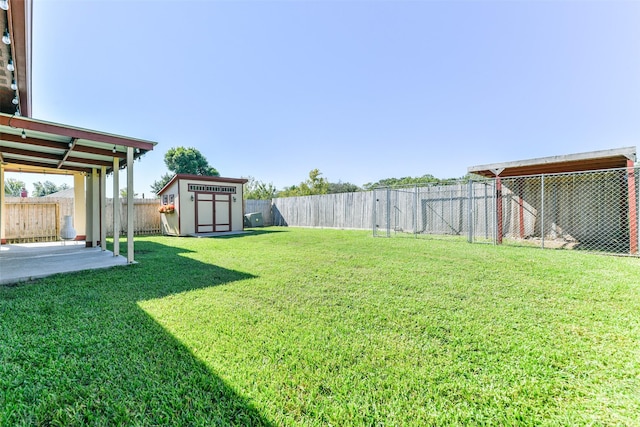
{"x": 374, "y": 219}
{"x": 415, "y": 213}
{"x": 470, "y": 210}
{"x": 486, "y": 212}
{"x": 499, "y": 208}
{"x": 388, "y": 212}
{"x": 494, "y": 215}
{"x": 542, "y": 209}
{"x": 633, "y": 210}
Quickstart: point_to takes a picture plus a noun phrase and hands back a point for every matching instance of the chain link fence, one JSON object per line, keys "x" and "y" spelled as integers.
{"x": 594, "y": 211}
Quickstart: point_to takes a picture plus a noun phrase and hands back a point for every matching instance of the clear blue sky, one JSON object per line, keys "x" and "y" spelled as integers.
{"x": 362, "y": 90}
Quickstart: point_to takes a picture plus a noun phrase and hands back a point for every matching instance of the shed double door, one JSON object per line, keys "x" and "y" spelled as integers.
{"x": 213, "y": 212}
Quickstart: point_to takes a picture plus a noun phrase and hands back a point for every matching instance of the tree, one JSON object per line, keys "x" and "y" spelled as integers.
{"x": 159, "y": 184}
{"x": 393, "y": 182}
{"x": 314, "y": 185}
{"x": 123, "y": 193}
{"x": 184, "y": 160}
{"x": 342, "y": 187}
{"x": 47, "y": 187}
{"x": 258, "y": 190}
{"x": 188, "y": 160}
{"x": 13, "y": 187}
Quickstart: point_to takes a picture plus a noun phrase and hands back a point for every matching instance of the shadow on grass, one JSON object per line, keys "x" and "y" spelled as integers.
{"x": 252, "y": 232}
{"x": 75, "y": 349}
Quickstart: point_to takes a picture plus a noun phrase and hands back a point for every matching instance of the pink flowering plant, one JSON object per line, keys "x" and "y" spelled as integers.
{"x": 167, "y": 209}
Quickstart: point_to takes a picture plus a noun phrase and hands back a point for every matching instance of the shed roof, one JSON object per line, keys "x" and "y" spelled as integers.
{"x": 593, "y": 160}
{"x": 202, "y": 178}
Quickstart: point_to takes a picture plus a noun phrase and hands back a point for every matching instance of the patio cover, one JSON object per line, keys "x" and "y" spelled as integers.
{"x": 56, "y": 148}
{"x": 30, "y": 145}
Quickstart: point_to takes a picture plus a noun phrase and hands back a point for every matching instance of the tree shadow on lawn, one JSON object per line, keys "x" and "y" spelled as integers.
{"x": 75, "y": 349}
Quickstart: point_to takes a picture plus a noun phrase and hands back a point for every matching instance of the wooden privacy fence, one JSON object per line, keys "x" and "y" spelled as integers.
{"x": 591, "y": 210}
{"x": 342, "y": 210}
{"x": 146, "y": 218}
{"x": 39, "y": 219}
{"x": 35, "y": 219}
{"x": 433, "y": 209}
{"x": 261, "y": 206}
{"x": 31, "y": 222}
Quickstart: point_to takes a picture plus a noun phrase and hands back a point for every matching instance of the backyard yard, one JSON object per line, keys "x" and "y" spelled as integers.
{"x": 310, "y": 327}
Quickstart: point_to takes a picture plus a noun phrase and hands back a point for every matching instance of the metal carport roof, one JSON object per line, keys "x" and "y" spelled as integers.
{"x": 594, "y": 160}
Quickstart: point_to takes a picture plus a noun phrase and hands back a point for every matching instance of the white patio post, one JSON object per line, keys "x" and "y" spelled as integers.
{"x": 103, "y": 208}
{"x": 79, "y": 206}
{"x": 95, "y": 208}
{"x": 1, "y": 203}
{"x": 130, "y": 204}
{"x": 116, "y": 206}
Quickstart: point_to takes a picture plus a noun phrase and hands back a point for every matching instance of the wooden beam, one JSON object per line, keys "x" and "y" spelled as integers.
{"x": 99, "y": 151}
{"x": 63, "y": 146}
{"x": 29, "y": 140}
{"x": 633, "y": 210}
{"x": 73, "y": 132}
{"x": 72, "y": 143}
{"x": 15, "y": 167}
{"x": 61, "y": 160}
{"x": 30, "y": 153}
{"x": 19, "y": 22}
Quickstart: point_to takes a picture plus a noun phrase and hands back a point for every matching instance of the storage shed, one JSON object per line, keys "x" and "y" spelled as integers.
{"x": 194, "y": 205}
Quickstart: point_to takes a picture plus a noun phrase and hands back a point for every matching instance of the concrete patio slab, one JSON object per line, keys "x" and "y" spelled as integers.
{"x": 30, "y": 261}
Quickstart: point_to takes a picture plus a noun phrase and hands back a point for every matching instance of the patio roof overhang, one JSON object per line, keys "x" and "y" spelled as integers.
{"x": 16, "y": 82}
{"x": 594, "y": 160}
{"x": 56, "y": 148}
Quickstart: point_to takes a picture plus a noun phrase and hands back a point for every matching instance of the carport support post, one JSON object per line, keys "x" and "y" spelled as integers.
{"x": 521, "y": 206}
{"x": 499, "y": 210}
{"x": 499, "y": 220}
{"x": 542, "y": 211}
{"x": 116, "y": 206}
{"x": 633, "y": 212}
{"x": 470, "y": 210}
{"x": 130, "y": 160}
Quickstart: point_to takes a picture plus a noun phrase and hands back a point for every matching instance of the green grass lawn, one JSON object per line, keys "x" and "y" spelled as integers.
{"x": 326, "y": 328}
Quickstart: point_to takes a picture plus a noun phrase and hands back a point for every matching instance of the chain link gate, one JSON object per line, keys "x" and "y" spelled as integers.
{"x": 461, "y": 208}
{"x": 394, "y": 211}
{"x": 592, "y": 211}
